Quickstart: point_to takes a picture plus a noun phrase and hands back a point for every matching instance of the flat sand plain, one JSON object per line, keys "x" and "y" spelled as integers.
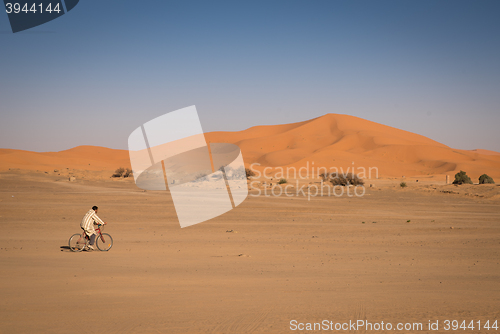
{"x": 427, "y": 252}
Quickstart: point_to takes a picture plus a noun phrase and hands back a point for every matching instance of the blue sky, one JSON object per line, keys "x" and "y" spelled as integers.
{"x": 93, "y": 75}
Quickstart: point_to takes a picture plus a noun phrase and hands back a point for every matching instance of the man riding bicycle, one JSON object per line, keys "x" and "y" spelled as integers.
{"x": 88, "y": 222}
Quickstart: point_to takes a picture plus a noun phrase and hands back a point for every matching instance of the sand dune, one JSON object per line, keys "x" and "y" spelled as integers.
{"x": 92, "y": 158}
{"x": 337, "y": 140}
{"x": 333, "y": 140}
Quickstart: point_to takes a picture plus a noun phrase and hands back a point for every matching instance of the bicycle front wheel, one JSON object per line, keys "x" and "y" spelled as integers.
{"x": 77, "y": 242}
{"x": 104, "y": 242}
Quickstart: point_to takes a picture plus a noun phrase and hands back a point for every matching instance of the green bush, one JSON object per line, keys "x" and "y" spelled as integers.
{"x": 403, "y": 185}
{"x": 461, "y": 178}
{"x": 281, "y": 181}
{"x": 484, "y": 179}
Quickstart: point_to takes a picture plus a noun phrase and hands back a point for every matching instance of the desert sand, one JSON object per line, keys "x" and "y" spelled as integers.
{"x": 426, "y": 252}
{"x": 429, "y": 251}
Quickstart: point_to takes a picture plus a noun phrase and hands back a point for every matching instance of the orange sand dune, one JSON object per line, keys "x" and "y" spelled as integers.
{"x": 330, "y": 141}
{"x": 344, "y": 141}
{"x": 82, "y": 157}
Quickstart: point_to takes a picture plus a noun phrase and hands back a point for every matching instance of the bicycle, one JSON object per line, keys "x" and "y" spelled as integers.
{"x": 79, "y": 241}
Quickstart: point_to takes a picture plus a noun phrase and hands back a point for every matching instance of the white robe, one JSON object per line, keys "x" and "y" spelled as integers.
{"x": 88, "y": 222}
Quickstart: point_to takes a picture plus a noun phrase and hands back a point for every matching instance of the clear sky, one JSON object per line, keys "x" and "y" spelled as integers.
{"x": 93, "y": 75}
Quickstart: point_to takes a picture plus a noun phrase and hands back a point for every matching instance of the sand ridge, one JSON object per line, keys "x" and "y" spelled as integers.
{"x": 335, "y": 140}
{"x": 92, "y": 158}
{"x": 331, "y": 141}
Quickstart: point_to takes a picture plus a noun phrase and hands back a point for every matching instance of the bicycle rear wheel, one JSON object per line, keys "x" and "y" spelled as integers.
{"x": 104, "y": 242}
{"x": 77, "y": 242}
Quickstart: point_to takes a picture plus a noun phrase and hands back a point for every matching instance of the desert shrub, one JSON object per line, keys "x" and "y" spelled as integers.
{"x": 128, "y": 172}
{"x": 250, "y": 173}
{"x": 484, "y": 179}
{"x": 201, "y": 176}
{"x": 233, "y": 173}
{"x": 119, "y": 172}
{"x": 324, "y": 176}
{"x": 282, "y": 181}
{"x": 403, "y": 185}
{"x": 461, "y": 178}
{"x": 345, "y": 180}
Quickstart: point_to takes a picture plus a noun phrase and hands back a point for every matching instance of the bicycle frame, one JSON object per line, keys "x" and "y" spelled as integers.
{"x": 98, "y": 232}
